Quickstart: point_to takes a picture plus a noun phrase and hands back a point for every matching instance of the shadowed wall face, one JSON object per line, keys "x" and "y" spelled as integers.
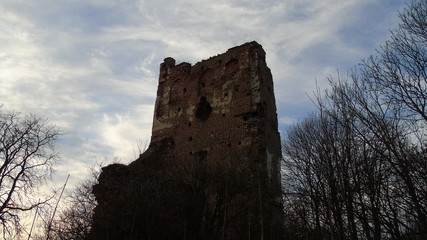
{"x": 216, "y": 119}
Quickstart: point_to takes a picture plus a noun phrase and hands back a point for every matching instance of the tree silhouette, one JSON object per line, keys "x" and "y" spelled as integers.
{"x": 26, "y": 158}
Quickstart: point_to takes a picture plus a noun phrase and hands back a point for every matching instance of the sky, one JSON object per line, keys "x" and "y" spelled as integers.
{"x": 91, "y": 67}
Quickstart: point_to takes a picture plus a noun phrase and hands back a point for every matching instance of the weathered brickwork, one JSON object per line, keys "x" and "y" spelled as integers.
{"x": 219, "y": 112}
{"x": 221, "y": 105}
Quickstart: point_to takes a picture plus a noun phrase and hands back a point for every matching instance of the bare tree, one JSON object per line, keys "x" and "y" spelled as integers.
{"x": 26, "y": 157}
{"x": 391, "y": 140}
{"x": 357, "y": 169}
{"x": 74, "y": 216}
{"x": 399, "y": 72}
{"x": 321, "y": 157}
{"x": 352, "y": 170}
{"x": 398, "y": 77}
{"x": 74, "y": 221}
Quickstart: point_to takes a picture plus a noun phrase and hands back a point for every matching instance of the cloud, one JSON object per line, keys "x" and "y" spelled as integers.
{"x": 91, "y": 67}
{"x": 287, "y": 121}
{"x": 123, "y": 132}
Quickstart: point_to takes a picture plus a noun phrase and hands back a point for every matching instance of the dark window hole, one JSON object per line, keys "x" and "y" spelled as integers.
{"x": 204, "y": 109}
{"x": 190, "y": 139}
{"x": 249, "y": 115}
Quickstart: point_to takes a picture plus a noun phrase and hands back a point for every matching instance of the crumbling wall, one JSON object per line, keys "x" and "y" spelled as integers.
{"x": 212, "y": 168}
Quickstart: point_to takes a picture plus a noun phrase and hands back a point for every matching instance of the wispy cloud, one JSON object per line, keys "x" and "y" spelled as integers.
{"x": 91, "y": 66}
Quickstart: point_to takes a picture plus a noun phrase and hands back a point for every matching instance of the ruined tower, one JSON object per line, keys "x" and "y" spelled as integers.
{"x": 214, "y": 155}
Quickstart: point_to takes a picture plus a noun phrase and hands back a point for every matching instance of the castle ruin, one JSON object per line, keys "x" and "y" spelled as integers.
{"x": 212, "y": 170}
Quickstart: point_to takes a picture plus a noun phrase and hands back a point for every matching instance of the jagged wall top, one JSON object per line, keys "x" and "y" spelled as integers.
{"x": 182, "y": 86}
